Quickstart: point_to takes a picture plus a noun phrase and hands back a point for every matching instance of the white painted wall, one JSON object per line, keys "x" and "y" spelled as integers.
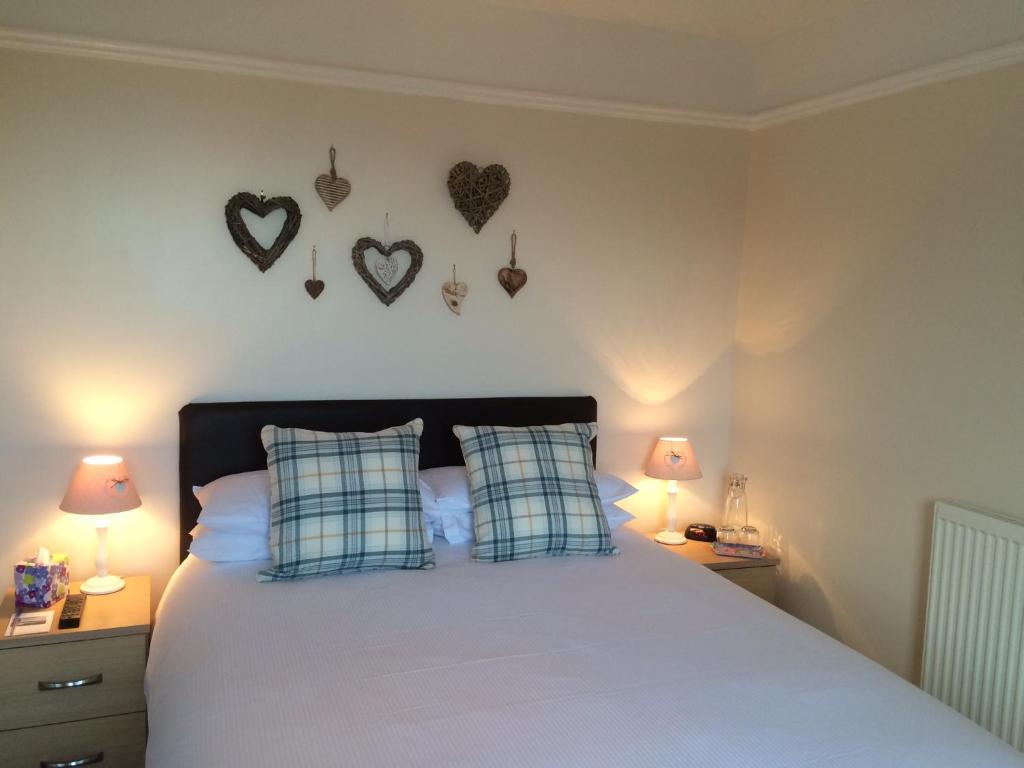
{"x": 880, "y": 361}
{"x": 124, "y": 298}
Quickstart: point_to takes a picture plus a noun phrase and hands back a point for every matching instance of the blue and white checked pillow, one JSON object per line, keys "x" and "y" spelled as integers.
{"x": 343, "y": 502}
{"x": 533, "y": 492}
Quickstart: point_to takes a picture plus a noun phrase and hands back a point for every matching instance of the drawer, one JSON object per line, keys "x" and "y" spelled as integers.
{"x": 760, "y": 581}
{"x": 112, "y": 742}
{"x": 110, "y": 672}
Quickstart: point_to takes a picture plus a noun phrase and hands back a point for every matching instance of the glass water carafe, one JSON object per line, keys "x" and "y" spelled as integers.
{"x": 735, "y": 524}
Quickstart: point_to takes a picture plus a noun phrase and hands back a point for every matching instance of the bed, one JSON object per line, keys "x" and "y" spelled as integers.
{"x": 642, "y": 659}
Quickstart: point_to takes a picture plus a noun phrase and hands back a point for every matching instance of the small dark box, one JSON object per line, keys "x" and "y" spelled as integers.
{"x": 701, "y": 532}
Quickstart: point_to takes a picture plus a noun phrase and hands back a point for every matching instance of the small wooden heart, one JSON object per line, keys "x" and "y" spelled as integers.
{"x": 512, "y": 279}
{"x": 477, "y": 193}
{"x": 263, "y": 258}
{"x": 331, "y": 187}
{"x": 454, "y": 294}
{"x": 386, "y": 294}
{"x": 314, "y": 287}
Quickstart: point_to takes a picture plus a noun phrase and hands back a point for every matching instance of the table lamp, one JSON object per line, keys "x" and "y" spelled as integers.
{"x": 101, "y": 486}
{"x": 672, "y": 459}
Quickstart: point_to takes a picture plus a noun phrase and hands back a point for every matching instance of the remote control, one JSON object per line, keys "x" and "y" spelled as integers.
{"x": 71, "y": 616}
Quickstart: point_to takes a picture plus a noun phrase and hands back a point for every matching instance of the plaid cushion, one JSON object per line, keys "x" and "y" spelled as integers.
{"x": 342, "y": 502}
{"x": 533, "y": 492}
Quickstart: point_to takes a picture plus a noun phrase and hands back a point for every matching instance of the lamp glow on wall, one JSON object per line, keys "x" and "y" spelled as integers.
{"x": 101, "y": 486}
{"x": 672, "y": 459}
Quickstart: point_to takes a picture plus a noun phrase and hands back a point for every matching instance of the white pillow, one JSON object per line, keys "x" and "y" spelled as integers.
{"x": 241, "y": 504}
{"x": 617, "y": 516}
{"x": 222, "y": 547}
{"x": 236, "y": 503}
{"x": 450, "y": 487}
{"x": 458, "y": 525}
{"x": 431, "y": 512}
{"x": 612, "y": 488}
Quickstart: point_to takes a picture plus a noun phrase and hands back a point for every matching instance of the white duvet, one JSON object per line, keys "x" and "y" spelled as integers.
{"x": 644, "y": 659}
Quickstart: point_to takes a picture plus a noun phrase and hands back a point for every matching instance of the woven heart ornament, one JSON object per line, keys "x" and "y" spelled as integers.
{"x": 387, "y": 293}
{"x": 478, "y": 192}
{"x": 331, "y": 187}
{"x": 263, "y": 258}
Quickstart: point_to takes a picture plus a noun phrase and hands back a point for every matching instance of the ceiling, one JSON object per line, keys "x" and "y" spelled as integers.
{"x": 721, "y": 57}
{"x": 733, "y": 20}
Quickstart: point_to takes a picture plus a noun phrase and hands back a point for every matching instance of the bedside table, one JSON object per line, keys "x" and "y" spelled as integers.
{"x": 757, "y": 576}
{"x": 74, "y": 696}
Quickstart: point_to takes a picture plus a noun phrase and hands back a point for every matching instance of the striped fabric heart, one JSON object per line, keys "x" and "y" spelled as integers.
{"x": 331, "y": 187}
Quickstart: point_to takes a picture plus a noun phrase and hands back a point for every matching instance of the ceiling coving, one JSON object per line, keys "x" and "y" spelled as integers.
{"x": 713, "y": 61}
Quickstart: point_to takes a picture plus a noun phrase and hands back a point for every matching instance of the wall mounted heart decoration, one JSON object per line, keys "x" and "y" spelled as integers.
{"x": 511, "y": 278}
{"x": 263, "y": 258}
{"x": 386, "y": 267}
{"x": 386, "y": 293}
{"x": 331, "y": 187}
{"x": 314, "y": 287}
{"x": 454, "y": 293}
{"x": 477, "y": 193}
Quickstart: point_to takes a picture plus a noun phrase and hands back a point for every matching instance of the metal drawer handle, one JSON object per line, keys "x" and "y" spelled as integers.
{"x": 82, "y": 681}
{"x": 84, "y": 760}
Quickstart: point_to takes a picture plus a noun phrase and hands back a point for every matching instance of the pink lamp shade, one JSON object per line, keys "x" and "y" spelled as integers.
{"x": 101, "y": 485}
{"x": 673, "y": 458}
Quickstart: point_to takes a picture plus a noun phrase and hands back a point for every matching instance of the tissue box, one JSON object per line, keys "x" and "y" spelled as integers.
{"x": 40, "y": 586}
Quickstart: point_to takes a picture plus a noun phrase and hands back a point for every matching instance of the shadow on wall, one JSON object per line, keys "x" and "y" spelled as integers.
{"x": 695, "y": 411}
{"x": 772, "y": 322}
{"x": 926, "y": 523}
{"x": 806, "y": 600}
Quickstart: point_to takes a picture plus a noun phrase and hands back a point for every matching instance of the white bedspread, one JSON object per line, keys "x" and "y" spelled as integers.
{"x": 644, "y": 659}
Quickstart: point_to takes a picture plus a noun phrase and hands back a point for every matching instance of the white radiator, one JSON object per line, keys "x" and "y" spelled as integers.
{"x": 974, "y": 632}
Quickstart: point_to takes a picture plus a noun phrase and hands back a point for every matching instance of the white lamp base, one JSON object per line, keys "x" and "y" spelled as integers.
{"x": 674, "y": 538}
{"x": 102, "y": 585}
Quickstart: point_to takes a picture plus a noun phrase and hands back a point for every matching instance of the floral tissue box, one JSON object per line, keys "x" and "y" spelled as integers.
{"x": 40, "y": 586}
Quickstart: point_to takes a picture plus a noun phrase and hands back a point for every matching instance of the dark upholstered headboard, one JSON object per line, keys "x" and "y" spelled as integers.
{"x": 220, "y": 439}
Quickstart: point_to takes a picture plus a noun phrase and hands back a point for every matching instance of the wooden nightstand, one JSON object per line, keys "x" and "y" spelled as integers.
{"x": 101, "y": 714}
{"x": 757, "y": 576}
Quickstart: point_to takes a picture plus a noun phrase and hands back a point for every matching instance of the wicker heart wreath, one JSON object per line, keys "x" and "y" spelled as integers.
{"x": 263, "y": 258}
{"x": 478, "y": 193}
{"x": 387, "y": 294}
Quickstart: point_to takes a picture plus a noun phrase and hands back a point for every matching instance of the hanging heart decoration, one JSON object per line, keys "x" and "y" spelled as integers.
{"x": 314, "y": 287}
{"x": 454, "y": 293}
{"x": 511, "y": 278}
{"x": 385, "y": 266}
{"x": 263, "y": 258}
{"x": 331, "y": 187}
{"x": 386, "y": 293}
{"x": 478, "y": 193}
